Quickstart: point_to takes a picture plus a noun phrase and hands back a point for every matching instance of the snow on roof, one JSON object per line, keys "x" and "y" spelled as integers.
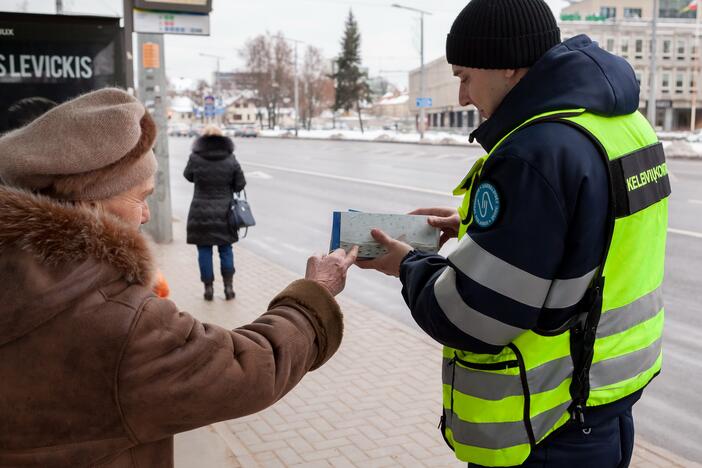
{"x": 394, "y": 101}
{"x": 182, "y": 104}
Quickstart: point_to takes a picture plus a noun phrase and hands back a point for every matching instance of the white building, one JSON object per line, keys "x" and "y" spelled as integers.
{"x": 241, "y": 109}
{"x": 678, "y": 64}
{"x": 182, "y": 109}
{"x": 392, "y": 105}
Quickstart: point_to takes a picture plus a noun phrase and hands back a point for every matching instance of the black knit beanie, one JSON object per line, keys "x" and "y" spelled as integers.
{"x": 500, "y": 34}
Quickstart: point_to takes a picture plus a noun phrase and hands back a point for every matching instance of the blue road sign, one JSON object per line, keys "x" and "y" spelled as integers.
{"x": 424, "y": 102}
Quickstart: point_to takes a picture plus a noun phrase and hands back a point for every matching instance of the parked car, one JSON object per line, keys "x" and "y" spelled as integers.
{"x": 179, "y": 129}
{"x": 231, "y": 130}
{"x": 196, "y": 130}
{"x": 249, "y": 131}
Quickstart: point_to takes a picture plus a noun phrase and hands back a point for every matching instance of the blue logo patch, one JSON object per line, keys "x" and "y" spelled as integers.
{"x": 486, "y": 205}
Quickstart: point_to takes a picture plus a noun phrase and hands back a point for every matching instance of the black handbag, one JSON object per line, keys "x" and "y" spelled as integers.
{"x": 240, "y": 215}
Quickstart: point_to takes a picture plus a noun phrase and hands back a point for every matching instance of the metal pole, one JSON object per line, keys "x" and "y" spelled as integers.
{"x": 651, "y": 111}
{"x": 152, "y": 88}
{"x": 59, "y": 7}
{"x": 696, "y": 69}
{"x": 422, "y": 118}
{"x": 128, "y": 13}
{"x": 421, "y": 77}
{"x": 297, "y": 103}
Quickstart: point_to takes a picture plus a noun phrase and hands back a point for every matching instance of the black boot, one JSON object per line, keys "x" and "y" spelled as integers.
{"x": 209, "y": 292}
{"x": 229, "y": 293}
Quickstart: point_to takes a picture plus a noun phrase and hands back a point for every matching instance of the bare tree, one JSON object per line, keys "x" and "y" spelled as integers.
{"x": 271, "y": 58}
{"x": 316, "y": 86}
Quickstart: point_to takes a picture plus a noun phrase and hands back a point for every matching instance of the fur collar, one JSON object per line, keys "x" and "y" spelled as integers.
{"x": 213, "y": 147}
{"x": 57, "y": 233}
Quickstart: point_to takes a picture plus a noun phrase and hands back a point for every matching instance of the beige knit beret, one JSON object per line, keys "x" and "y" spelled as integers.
{"x": 90, "y": 148}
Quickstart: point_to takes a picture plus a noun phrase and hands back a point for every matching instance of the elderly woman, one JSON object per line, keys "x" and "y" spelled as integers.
{"x": 94, "y": 368}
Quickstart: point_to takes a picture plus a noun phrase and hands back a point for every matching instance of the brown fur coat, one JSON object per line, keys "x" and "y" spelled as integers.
{"x": 95, "y": 370}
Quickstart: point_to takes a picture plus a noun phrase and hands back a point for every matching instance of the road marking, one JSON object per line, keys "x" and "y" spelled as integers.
{"x": 682, "y": 232}
{"x": 696, "y": 202}
{"x": 406, "y": 187}
{"x": 258, "y": 175}
{"x": 350, "y": 179}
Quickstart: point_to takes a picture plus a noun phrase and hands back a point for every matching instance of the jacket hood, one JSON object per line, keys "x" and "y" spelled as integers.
{"x": 52, "y": 254}
{"x": 213, "y": 147}
{"x": 574, "y": 74}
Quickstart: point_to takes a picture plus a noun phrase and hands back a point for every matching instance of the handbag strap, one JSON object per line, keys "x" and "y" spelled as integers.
{"x": 238, "y": 195}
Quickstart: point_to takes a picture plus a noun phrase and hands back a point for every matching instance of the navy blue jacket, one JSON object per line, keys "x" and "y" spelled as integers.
{"x": 554, "y": 196}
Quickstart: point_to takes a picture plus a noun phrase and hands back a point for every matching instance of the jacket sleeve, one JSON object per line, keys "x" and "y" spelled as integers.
{"x": 494, "y": 286}
{"x": 239, "y": 181}
{"x": 188, "y": 172}
{"x": 177, "y": 374}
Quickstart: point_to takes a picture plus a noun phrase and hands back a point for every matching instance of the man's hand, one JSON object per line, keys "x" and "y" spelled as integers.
{"x": 390, "y": 262}
{"x": 330, "y": 270}
{"x": 446, "y": 219}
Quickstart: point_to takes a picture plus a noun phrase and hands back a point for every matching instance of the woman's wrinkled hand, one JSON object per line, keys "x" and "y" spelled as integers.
{"x": 330, "y": 270}
{"x": 446, "y": 219}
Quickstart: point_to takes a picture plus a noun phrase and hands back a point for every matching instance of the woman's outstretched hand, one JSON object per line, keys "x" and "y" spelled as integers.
{"x": 330, "y": 270}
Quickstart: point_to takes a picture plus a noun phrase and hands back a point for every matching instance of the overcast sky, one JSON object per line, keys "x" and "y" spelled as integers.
{"x": 389, "y": 36}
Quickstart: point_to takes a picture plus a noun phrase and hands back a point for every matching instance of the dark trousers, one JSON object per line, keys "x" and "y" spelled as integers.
{"x": 204, "y": 259}
{"x": 607, "y": 445}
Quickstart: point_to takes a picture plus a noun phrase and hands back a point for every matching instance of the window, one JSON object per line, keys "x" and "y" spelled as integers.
{"x": 610, "y": 45}
{"x": 608, "y": 12}
{"x": 632, "y": 12}
{"x": 681, "y": 50}
{"x": 665, "y": 82}
{"x": 639, "y": 48}
{"x": 625, "y": 47}
{"x": 667, "y": 45}
{"x": 679, "y": 83}
{"x": 471, "y": 119}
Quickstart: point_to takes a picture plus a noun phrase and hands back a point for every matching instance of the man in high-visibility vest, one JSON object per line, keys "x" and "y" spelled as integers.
{"x": 550, "y": 308}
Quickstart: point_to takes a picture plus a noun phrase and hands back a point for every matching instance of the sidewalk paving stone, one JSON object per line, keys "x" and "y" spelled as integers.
{"x": 346, "y": 414}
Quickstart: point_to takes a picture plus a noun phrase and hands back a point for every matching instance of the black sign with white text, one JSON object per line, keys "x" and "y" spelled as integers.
{"x": 57, "y": 57}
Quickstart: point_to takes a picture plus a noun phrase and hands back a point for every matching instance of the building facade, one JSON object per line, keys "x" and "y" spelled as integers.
{"x": 441, "y": 86}
{"x": 242, "y": 110}
{"x": 621, "y": 9}
{"x": 677, "y": 57}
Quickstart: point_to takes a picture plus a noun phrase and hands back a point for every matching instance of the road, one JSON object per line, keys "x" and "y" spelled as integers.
{"x": 294, "y": 186}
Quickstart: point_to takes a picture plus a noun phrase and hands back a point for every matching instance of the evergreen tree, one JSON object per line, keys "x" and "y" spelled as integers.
{"x": 351, "y": 83}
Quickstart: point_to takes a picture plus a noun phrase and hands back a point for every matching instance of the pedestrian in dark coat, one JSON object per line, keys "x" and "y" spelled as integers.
{"x": 217, "y": 175}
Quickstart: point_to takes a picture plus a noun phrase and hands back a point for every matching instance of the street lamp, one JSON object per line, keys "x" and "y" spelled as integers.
{"x": 651, "y": 111}
{"x": 297, "y": 94}
{"x": 218, "y": 58}
{"x": 421, "y": 69}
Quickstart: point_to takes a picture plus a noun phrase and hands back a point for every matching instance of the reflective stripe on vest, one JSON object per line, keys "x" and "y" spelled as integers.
{"x": 498, "y": 407}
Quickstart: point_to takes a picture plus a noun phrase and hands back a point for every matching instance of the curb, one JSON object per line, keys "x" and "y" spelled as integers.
{"x": 668, "y": 457}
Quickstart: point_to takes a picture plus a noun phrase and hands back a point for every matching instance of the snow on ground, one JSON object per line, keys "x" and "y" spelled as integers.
{"x": 374, "y": 135}
{"x": 677, "y": 146}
